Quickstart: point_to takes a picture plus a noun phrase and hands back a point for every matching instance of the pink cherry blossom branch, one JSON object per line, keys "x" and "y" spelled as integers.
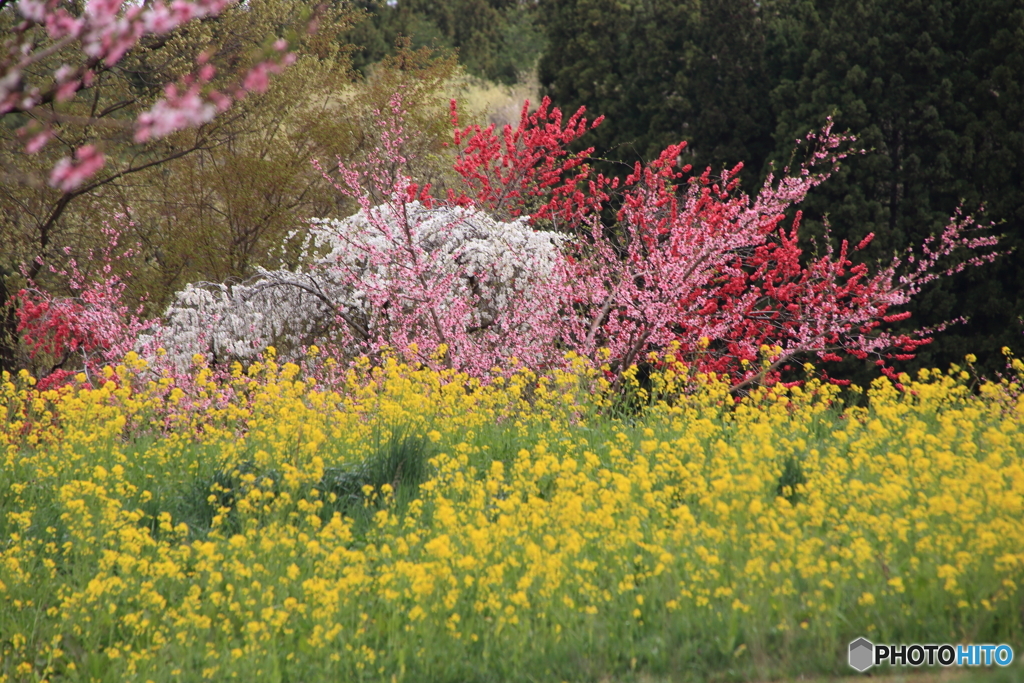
{"x": 106, "y": 30}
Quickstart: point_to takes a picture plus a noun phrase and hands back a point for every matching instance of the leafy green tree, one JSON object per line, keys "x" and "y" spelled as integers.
{"x": 213, "y": 202}
{"x": 498, "y": 40}
{"x": 222, "y": 212}
{"x": 41, "y": 224}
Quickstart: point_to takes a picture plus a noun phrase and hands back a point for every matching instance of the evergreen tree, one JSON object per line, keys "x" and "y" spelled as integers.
{"x": 662, "y": 71}
{"x": 933, "y": 92}
{"x": 383, "y": 28}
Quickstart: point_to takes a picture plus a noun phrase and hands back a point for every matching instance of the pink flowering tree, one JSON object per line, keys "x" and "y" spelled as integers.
{"x": 720, "y": 274}
{"x": 448, "y": 284}
{"x": 99, "y": 33}
{"x": 691, "y": 263}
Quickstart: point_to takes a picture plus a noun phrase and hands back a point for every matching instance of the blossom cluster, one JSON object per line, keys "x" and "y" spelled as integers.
{"x": 690, "y": 261}
{"x": 104, "y": 31}
{"x": 394, "y": 275}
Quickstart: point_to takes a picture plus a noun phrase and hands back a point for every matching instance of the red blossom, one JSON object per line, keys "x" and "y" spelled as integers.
{"x": 94, "y": 326}
{"x": 699, "y": 260}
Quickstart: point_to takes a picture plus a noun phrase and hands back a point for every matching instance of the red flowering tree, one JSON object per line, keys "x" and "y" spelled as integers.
{"x": 690, "y": 263}
{"x": 697, "y": 262}
{"x": 86, "y": 331}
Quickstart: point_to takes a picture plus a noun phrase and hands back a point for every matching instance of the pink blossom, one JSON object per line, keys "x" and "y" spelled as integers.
{"x": 68, "y": 175}
{"x": 257, "y": 79}
{"x": 107, "y": 30}
{"x": 158, "y": 19}
{"x": 33, "y": 10}
{"x": 103, "y": 11}
{"x": 174, "y": 113}
{"x": 61, "y": 24}
{"x": 38, "y": 141}
{"x": 65, "y": 92}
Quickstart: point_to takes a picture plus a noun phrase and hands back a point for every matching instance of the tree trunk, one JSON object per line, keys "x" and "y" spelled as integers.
{"x": 8, "y": 328}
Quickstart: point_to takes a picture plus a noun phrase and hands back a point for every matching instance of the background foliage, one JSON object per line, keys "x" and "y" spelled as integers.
{"x": 498, "y": 40}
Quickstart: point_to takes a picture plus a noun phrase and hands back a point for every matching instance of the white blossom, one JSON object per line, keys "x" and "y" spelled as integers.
{"x": 348, "y": 263}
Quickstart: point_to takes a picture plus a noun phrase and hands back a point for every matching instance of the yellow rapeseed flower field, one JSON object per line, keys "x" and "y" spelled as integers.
{"x": 412, "y": 525}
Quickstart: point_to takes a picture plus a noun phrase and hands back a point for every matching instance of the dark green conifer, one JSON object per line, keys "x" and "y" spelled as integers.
{"x": 932, "y": 90}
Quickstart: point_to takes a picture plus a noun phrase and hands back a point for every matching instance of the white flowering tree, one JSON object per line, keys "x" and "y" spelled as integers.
{"x": 452, "y": 283}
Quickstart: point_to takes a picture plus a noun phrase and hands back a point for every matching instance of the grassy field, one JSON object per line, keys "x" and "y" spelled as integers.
{"x": 398, "y": 523}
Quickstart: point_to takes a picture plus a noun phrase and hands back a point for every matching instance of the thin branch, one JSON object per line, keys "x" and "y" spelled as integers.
{"x": 595, "y": 326}
{"x": 67, "y": 197}
{"x": 323, "y": 297}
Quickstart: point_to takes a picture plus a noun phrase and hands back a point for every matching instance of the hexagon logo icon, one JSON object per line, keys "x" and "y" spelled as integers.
{"x": 862, "y": 654}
